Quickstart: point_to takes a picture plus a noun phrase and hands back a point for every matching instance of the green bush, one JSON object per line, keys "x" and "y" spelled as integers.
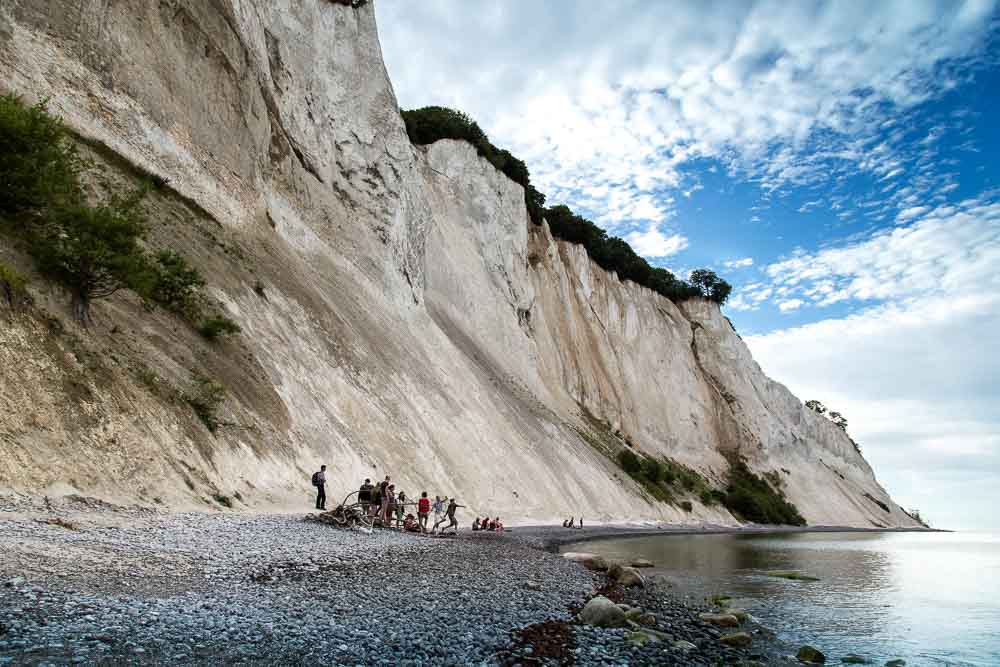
{"x": 225, "y": 501}
{"x": 430, "y": 124}
{"x": 752, "y": 499}
{"x": 205, "y": 398}
{"x": 686, "y": 505}
{"x": 92, "y": 251}
{"x": 629, "y": 462}
{"x": 216, "y": 326}
{"x": 40, "y": 169}
{"x": 172, "y": 283}
{"x": 12, "y": 285}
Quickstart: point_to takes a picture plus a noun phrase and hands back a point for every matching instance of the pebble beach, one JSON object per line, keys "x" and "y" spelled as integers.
{"x": 82, "y": 582}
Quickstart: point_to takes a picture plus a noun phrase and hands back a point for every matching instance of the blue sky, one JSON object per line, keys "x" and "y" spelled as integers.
{"x": 836, "y": 162}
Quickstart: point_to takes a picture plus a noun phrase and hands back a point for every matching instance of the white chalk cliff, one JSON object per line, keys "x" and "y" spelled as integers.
{"x": 413, "y": 320}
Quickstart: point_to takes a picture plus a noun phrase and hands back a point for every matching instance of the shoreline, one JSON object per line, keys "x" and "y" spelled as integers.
{"x": 91, "y": 582}
{"x": 556, "y": 537}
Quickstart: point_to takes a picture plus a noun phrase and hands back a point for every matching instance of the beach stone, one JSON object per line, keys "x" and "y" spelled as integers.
{"x": 647, "y": 619}
{"x": 603, "y": 613}
{"x": 533, "y": 586}
{"x": 722, "y": 620}
{"x": 740, "y": 614}
{"x": 628, "y": 577}
{"x": 852, "y": 659}
{"x": 739, "y": 639}
{"x": 633, "y": 614}
{"x": 811, "y": 655}
{"x": 588, "y": 560}
{"x": 642, "y": 562}
{"x": 897, "y": 662}
{"x": 682, "y": 645}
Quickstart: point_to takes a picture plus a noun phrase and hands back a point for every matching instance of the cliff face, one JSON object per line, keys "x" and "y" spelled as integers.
{"x": 412, "y": 320}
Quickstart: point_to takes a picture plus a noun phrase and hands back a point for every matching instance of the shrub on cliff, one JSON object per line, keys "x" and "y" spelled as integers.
{"x": 93, "y": 251}
{"x": 170, "y": 281}
{"x": 751, "y": 498}
{"x": 40, "y": 169}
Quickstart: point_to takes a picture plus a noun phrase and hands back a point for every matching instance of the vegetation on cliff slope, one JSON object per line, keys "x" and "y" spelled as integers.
{"x": 91, "y": 249}
{"x": 429, "y": 124}
{"x": 752, "y": 498}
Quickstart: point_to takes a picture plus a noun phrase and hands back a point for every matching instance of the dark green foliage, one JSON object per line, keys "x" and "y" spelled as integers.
{"x": 711, "y": 286}
{"x": 225, "y": 501}
{"x": 216, "y": 326}
{"x": 12, "y": 286}
{"x": 429, "y": 124}
{"x": 816, "y": 406}
{"x": 629, "y": 462}
{"x": 752, "y": 499}
{"x": 686, "y": 505}
{"x": 168, "y": 280}
{"x": 40, "y": 167}
{"x": 662, "y": 477}
{"x": 205, "y": 398}
{"x": 92, "y": 251}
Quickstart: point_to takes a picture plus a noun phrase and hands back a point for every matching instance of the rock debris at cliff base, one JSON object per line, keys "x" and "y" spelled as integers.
{"x": 151, "y": 588}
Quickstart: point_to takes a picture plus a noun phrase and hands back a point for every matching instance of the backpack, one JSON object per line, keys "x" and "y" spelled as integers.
{"x": 315, "y": 479}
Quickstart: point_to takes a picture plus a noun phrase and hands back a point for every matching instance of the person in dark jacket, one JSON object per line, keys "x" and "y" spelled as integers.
{"x": 319, "y": 481}
{"x": 365, "y": 495}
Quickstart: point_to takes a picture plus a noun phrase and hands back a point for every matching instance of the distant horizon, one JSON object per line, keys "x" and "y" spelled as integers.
{"x": 833, "y": 165}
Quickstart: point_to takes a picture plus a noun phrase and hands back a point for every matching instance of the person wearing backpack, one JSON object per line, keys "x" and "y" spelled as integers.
{"x": 319, "y": 481}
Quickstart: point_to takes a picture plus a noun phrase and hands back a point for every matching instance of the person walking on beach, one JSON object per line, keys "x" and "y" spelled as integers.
{"x": 438, "y": 511}
{"x": 450, "y": 515}
{"x": 423, "y": 510}
{"x": 319, "y": 481}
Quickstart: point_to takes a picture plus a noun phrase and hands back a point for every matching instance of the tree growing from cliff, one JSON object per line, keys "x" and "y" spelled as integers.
{"x": 816, "y": 406}
{"x": 93, "y": 251}
{"x": 710, "y": 285}
{"x": 40, "y": 167}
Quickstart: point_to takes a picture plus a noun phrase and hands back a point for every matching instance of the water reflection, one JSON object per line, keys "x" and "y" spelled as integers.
{"x": 931, "y": 598}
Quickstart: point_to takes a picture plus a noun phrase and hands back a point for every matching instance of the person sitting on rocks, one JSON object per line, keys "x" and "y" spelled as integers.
{"x": 410, "y": 524}
{"x": 365, "y": 495}
{"x": 475, "y": 524}
{"x": 571, "y": 520}
{"x": 498, "y": 525}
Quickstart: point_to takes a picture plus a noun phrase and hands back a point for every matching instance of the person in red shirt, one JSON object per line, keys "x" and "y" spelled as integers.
{"x": 423, "y": 511}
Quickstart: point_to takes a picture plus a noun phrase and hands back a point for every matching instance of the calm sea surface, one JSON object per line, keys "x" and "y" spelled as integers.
{"x": 930, "y": 598}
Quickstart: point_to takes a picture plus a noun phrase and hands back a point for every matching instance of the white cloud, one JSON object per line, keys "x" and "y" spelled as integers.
{"x": 916, "y": 374}
{"x": 779, "y": 90}
{"x": 738, "y": 263}
{"x": 790, "y": 304}
{"x": 653, "y": 243}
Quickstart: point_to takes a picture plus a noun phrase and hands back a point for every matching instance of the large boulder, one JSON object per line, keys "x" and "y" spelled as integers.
{"x": 810, "y": 655}
{"x": 738, "y": 639}
{"x": 642, "y": 562}
{"x": 723, "y": 620}
{"x": 603, "y": 613}
{"x": 626, "y": 576}
{"x": 589, "y": 561}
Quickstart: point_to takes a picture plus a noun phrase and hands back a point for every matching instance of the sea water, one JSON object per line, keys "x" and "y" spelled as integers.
{"x": 929, "y": 598}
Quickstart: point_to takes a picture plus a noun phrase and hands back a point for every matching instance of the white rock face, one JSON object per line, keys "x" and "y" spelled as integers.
{"x": 415, "y": 322}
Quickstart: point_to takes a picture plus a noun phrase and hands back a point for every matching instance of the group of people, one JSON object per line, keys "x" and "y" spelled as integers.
{"x": 488, "y": 524}
{"x": 571, "y": 523}
{"x": 386, "y": 506}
